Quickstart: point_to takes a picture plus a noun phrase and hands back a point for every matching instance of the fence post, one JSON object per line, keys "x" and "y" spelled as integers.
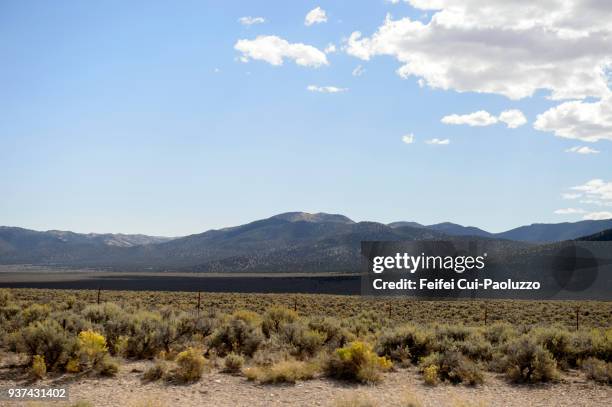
{"x": 199, "y": 302}
{"x": 485, "y": 316}
{"x": 99, "y": 289}
{"x": 577, "y": 318}
{"x": 389, "y": 310}
{"x": 295, "y": 304}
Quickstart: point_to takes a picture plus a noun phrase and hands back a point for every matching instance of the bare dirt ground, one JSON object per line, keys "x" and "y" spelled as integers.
{"x": 219, "y": 389}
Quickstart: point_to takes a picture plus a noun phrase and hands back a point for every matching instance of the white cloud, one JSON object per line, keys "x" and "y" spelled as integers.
{"x": 216, "y": 70}
{"x": 512, "y": 48}
{"x": 596, "y": 190}
{"x": 479, "y": 118}
{"x": 330, "y": 49}
{"x": 582, "y": 150}
{"x": 274, "y": 50}
{"x": 358, "y": 71}
{"x": 569, "y": 211}
{"x": 585, "y": 121}
{"x": 438, "y": 141}
{"x": 598, "y": 215}
{"x": 513, "y": 118}
{"x": 408, "y": 138}
{"x": 325, "y": 89}
{"x": 315, "y": 16}
{"x": 248, "y": 20}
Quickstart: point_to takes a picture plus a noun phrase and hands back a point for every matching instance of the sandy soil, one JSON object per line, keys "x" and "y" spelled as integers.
{"x": 219, "y": 389}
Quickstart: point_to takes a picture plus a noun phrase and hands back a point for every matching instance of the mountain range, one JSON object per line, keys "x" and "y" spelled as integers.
{"x": 288, "y": 242}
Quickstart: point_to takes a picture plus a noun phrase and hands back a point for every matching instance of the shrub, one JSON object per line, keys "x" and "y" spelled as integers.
{"x": 190, "y": 365}
{"x": 236, "y": 336}
{"x": 233, "y": 363}
{"x": 201, "y": 325}
{"x": 450, "y": 366}
{"x": 357, "y": 362}
{"x": 156, "y": 372}
{"x": 73, "y": 366}
{"x": 47, "y": 339}
{"x": 91, "y": 347}
{"x": 288, "y": 371}
{"x": 250, "y": 317}
{"x": 527, "y": 361}
{"x": 430, "y": 375}
{"x": 475, "y": 348}
{"x": 35, "y": 312}
{"x": 601, "y": 340}
{"x": 39, "y": 368}
{"x": 5, "y": 297}
{"x": 454, "y": 333}
{"x": 102, "y": 313}
{"x": 275, "y": 317}
{"x": 598, "y": 370}
{"x": 596, "y": 343}
{"x": 499, "y": 333}
{"x": 107, "y": 366}
{"x": 304, "y": 341}
{"x": 272, "y": 351}
{"x": 71, "y": 322}
{"x": 558, "y": 342}
{"x": 406, "y": 343}
{"x": 143, "y": 340}
{"x": 335, "y": 336}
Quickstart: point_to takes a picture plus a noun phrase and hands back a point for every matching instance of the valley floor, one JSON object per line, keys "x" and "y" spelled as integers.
{"x": 219, "y": 389}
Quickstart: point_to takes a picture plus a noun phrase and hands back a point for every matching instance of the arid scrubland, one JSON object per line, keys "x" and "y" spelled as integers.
{"x": 272, "y": 339}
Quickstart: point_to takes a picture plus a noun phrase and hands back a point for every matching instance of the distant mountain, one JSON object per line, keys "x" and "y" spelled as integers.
{"x": 547, "y": 232}
{"x": 403, "y": 223}
{"x": 457, "y": 230}
{"x": 313, "y": 217}
{"x": 535, "y": 233}
{"x": 274, "y": 244}
{"x": 18, "y": 245}
{"x": 603, "y": 236}
{"x": 289, "y": 242}
{"x": 110, "y": 239}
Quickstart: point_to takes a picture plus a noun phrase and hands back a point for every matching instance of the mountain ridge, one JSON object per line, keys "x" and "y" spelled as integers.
{"x": 291, "y": 241}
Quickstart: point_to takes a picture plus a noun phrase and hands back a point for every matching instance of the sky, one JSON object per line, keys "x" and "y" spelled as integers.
{"x": 172, "y": 118}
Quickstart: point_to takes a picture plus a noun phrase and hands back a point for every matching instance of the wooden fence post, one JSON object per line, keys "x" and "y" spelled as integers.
{"x": 199, "y": 302}
{"x": 577, "y": 318}
{"x": 99, "y": 289}
{"x": 485, "y": 316}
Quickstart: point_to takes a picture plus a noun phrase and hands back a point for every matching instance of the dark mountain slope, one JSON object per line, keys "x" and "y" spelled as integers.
{"x": 458, "y": 230}
{"x": 543, "y": 232}
{"x": 603, "y": 236}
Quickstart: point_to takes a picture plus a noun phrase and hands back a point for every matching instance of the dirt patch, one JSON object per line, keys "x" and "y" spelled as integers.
{"x": 219, "y": 389}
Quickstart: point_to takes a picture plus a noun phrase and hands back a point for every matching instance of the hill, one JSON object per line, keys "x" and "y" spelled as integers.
{"x": 603, "y": 236}
{"x": 288, "y": 242}
{"x": 547, "y": 232}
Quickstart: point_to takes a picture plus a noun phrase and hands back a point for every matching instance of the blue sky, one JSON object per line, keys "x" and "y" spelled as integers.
{"x": 140, "y": 117}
